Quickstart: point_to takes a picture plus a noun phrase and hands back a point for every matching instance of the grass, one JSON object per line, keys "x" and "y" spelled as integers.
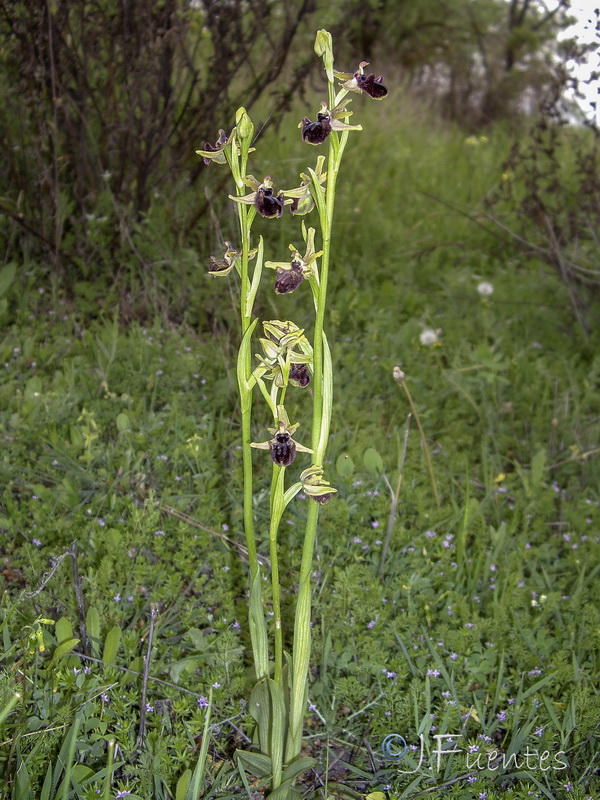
{"x": 125, "y": 440}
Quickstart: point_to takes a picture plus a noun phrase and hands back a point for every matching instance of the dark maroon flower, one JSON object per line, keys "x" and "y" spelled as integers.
{"x": 322, "y": 498}
{"x": 288, "y": 280}
{"x": 316, "y": 132}
{"x": 217, "y": 148}
{"x": 372, "y": 85}
{"x": 267, "y": 204}
{"x": 283, "y": 449}
{"x": 219, "y": 266}
{"x": 299, "y": 375}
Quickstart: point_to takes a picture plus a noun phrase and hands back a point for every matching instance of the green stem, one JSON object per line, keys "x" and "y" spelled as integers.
{"x": 277, "y": 487}
{"x": 322, "y": 376}
{"x": 424, "y": 444}
{"x": 246, "y": 395}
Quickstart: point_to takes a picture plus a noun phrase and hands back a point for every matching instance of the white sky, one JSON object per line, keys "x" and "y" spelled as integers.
{"x": 586, "y": 32}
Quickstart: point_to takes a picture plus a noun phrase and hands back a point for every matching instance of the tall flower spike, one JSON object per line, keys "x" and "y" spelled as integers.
{"x": 359, "y": 82}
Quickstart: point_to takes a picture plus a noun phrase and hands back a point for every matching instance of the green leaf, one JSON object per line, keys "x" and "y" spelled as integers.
{"x": 278, "y": 720}
{"x": 290, "y": 493}
{"x": 92, "y": 626}
{"x": 63, "y": 649}
{"x": 373, "y": 461}
{"x": 258, "y": 629}
{"x": 7, "y": 276}
{"x": 538, "y": 464}
{"x": 344, "y": 465}
{"x": 182, "y": 785}
{"x": 260, "y": 710}
{"x": 136, "y": 666}
{"x": 45, "y": 795}
{"x": 257, "y": 272}
{"x": 111, "y": 645}
{"x": 195, "y": 790}
{"x": 123, "y": 423}
{"x": 33, "y": 388}
{"x": 285, "y": 791}
{"x": 254, "y": 763}
{"x": 244, "y": 356}
{"x": 22, "y": 782}
{"x": 297, "y": 767}
{"x": 63, "y": 630}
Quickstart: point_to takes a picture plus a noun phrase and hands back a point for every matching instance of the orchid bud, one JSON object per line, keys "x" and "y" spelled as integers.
{"x": 243, "y": 123}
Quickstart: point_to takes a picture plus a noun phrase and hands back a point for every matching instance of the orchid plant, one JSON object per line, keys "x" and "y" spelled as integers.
{"x": 287, "y": 359}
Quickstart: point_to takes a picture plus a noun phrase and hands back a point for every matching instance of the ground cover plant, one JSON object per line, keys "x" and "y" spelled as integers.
{"x": 129, "y": 677}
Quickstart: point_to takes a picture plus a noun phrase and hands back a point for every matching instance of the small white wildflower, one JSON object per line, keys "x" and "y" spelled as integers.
{"x": 429, "y": 337}
{"x": 485, "y": 288}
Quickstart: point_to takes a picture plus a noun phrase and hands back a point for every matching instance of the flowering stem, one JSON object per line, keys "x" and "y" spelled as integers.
{"x": 277, "y": 507}
{"x": 246, "y": 395}
{"x": 320, "y": 433}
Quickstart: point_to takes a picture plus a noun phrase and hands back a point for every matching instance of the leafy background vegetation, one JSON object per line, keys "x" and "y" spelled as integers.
{"x": 120, "y": 428}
